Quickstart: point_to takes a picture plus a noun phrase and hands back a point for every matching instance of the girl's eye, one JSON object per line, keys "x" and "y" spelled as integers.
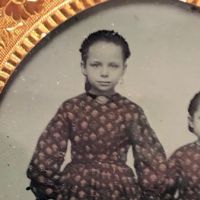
{"x": 113, "y": 65}
{"x": 95, "y": 64}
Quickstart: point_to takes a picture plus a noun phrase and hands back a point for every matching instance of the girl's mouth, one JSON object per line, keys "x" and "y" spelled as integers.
{"x": 104, "y": 82}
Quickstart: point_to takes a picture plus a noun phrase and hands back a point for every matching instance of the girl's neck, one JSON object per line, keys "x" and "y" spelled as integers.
{"x": 102, "y": 93}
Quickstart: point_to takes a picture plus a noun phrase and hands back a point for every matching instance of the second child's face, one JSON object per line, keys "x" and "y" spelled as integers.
{"x": 195, "y": 122}
{"x": 104, "y": 67}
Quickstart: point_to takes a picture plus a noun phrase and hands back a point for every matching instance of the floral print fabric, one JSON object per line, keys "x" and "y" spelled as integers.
{"x": 184, "y": 174}
{"x": 101, "y": 135}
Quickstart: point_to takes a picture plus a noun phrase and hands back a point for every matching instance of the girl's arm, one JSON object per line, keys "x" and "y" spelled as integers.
{"x": 44, "y": 168}
{"x": 149, "y": 156}
{"x": 173, "y": 178}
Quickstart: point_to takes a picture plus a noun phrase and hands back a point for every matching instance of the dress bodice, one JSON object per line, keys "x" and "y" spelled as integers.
{"x": 99, "y": 131}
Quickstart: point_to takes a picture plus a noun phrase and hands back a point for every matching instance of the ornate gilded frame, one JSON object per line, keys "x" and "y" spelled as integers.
{"x": 24, "y": 23}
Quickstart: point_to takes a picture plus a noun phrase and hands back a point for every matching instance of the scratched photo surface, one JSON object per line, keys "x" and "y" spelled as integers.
{"x": 162, "y": 76}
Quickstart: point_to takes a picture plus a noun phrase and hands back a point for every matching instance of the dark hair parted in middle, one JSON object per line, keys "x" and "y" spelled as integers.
{"x": 107, "y": 36}
{"x": 193, "y": 106}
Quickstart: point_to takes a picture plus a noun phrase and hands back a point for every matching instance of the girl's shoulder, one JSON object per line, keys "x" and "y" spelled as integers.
{"x": 127, "y": 101}
{"x": 184, "y": 151}
{"x": 75, "y": 99}
{"x": 131, "y": 104}
{"x": 73, "y": 102}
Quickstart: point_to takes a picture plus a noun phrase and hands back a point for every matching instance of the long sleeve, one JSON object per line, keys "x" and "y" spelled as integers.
{"x": 44, "y": 168}
{"x": 173, "y": 178}
{"x": 149, "y": 157}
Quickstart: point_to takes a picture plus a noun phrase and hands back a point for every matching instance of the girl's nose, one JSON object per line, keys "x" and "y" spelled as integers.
{"x": 104, "y": 71}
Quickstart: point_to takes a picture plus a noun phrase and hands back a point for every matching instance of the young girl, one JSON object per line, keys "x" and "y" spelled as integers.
{"x": 184, "y": 164}
{"x": 101, "y": 125}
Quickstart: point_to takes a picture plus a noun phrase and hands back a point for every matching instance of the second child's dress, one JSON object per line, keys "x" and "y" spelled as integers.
{"x": 101, "y": 134}
{"x": 184, "y": 173}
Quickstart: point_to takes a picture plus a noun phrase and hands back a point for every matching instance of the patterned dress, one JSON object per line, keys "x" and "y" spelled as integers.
{"x": 184, "y": 174}
{"x": 101, "y": 133}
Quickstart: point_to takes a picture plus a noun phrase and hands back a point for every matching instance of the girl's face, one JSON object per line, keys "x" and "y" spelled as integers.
{"x": 194, "y": 122}
{"x": 104, "y": 67}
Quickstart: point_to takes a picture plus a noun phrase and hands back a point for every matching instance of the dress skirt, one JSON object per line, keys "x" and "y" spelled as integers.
{"x": 98, "y": 181}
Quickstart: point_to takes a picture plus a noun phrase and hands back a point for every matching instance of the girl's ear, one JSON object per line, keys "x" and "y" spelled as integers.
{"x": 190, "y": 121}
{"x": 83, "y": 69}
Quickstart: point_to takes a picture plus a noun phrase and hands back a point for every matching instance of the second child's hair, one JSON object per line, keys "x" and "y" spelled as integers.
{"x": 107, "y": 36}
{"x": 193, "y": 106}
